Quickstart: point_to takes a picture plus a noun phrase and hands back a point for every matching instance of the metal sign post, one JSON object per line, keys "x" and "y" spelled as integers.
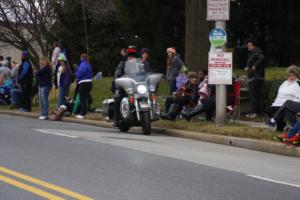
{"x": 218, "y": 10}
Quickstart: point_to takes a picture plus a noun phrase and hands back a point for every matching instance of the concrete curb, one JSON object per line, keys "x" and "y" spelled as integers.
{"x": 253, "y": 144}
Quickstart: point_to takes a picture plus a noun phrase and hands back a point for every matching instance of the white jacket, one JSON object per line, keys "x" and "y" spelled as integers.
{"x": 287, "y": 91}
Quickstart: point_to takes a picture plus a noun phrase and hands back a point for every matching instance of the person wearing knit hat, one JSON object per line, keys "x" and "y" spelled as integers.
{"x": 62, "y": 79}
{"x": 25, "y": 79}
{"x": 255, "y": 70}
{"x": 187, "y": 94}
{"x": 174, "y": 64}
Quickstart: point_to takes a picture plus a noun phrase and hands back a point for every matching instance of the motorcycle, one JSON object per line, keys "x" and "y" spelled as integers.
{"x": 139, "y": 107}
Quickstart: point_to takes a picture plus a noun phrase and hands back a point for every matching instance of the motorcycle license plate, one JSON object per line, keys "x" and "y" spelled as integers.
{"x": 144, "y": 105}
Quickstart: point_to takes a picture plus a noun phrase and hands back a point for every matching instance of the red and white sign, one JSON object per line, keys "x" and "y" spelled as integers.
{"x": 220, "y": 68}
{"x": 218, "y": 9}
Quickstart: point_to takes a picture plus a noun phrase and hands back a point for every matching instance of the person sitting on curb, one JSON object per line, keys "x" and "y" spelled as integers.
{"x": 203, "y": 94}
{"x": 208, "y": 105}
{"x": 186, "y": 95}
{"x": 292, "y": 137}
{"x": 288, "y": 90}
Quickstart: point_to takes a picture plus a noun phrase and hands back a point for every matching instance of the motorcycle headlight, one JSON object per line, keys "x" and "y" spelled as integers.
{"x": 142, "y": 89}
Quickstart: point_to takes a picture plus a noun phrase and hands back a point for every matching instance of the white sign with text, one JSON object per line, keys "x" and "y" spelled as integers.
{"x": 218, "y": 9}
{"x": 220, "y": 68}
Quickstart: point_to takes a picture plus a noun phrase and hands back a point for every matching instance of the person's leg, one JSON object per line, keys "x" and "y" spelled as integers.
{"x": 62, "y": 91}
{"x": 290, "y": 116}
{"x": 172, "y": 86}
{"x": 84, "y": 90}
{"x": 45, "y": 96}
{"x": 295, "y": 129}
{"x": 256, "y": 87}
{"x": 117, "y": 101}
{"x": 168, "y": 103}
{"x": 26, "y": 93}
{"x": 41, "y": 102}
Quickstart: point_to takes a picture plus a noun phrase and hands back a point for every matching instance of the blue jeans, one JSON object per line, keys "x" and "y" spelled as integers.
{"x": 43, "y": 98}
{"x": 295, "y": 129}
{"x": 62, "y": 93}
{"x": 15, "y": 97}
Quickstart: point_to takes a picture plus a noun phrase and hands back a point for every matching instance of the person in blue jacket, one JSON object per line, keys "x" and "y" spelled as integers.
{"x": 84, "y": 77}
{"x": 25, "y": 79}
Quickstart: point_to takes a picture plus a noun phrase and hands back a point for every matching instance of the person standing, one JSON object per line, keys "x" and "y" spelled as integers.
{"x": 174, "y": 64}
{"x": 84, "y": 77}
{"x": 62, "y": 79}
{"x": 255, "y": 72}
{"x": 25, "y": 79}
{"x": 55, "y": 54}
{"x": 44, "y": 76}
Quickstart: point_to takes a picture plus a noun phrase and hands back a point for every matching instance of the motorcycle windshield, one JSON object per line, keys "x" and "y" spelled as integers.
{"x": 134, "y": 67}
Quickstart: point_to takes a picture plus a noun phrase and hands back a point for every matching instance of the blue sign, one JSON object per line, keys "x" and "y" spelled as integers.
{"x": 218, "y": 37}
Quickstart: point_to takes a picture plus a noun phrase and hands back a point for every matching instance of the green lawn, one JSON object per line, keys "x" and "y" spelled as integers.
{"x": 272, "y": 73}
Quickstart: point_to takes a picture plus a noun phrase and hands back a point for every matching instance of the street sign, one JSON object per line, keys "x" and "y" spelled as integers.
{"x": 218, "y": 10}
{"x": 220, "y": 68}
{"x": 218, "y": 37}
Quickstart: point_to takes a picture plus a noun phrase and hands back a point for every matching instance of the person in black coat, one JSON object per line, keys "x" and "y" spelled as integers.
{"x": 25, "y": 79}
{"x": 256, "y": 73}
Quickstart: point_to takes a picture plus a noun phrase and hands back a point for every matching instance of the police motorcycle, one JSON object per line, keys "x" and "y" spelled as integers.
{"x": 139, "y": 107}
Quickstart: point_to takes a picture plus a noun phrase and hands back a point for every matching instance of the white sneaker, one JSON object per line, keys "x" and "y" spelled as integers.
{"x": 43, "y": 117}
{"x": 79, "y": 117}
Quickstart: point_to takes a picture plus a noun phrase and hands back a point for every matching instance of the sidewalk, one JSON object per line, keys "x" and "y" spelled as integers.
{"x": 253, "y": 144}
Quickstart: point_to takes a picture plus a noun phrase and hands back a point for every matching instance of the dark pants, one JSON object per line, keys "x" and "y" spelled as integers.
{"x": 280, "y": 123}
{"x": 172, "y": 86}
{"x": 255, "y": 88}
{"x": 84, "y": 92}
{"x": 209, "y": 106}
{"x": 119, "y": 94}
{"x": 26, "y": 96}
{"x": 288, "y": 110}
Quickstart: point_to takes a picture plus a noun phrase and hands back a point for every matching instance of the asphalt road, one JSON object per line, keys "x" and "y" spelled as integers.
{"x": 56, "y": 160}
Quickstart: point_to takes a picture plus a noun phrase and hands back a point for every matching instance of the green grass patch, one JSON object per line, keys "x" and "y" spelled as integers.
{"x": 272, "y": 73}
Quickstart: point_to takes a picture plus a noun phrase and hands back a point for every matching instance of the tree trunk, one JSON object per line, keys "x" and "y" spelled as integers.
{"x": 196, "y": 36}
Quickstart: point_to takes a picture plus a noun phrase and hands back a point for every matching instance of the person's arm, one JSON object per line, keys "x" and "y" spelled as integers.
{"x": 25, "y": 70}
{"x": 260, "y": 59}
{"x": 119, "y": 70}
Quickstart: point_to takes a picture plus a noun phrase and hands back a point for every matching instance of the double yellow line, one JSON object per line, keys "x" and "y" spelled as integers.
{"x": 35, "y": 190}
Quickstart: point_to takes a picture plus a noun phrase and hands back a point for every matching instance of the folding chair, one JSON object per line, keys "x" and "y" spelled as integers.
{"x": 233, "y": 111}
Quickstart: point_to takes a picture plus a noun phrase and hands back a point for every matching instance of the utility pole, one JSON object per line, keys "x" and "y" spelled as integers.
{"x": 85, "y": 28}
{"x": 219, "y": 72}
{"x": 221, "y": 89}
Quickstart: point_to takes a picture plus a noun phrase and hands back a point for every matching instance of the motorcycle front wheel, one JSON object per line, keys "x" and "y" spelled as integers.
{"x": 146, "y": 122}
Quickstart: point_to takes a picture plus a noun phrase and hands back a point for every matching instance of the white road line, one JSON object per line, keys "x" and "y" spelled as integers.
{"x": 59, "y": 134}
{"x": 274, "y": 181}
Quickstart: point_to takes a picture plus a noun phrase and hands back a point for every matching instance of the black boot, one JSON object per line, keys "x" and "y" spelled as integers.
{"x": 197, "y": 110}
{"x": 173, "y": 111}
{"x": 164, "y": 115}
